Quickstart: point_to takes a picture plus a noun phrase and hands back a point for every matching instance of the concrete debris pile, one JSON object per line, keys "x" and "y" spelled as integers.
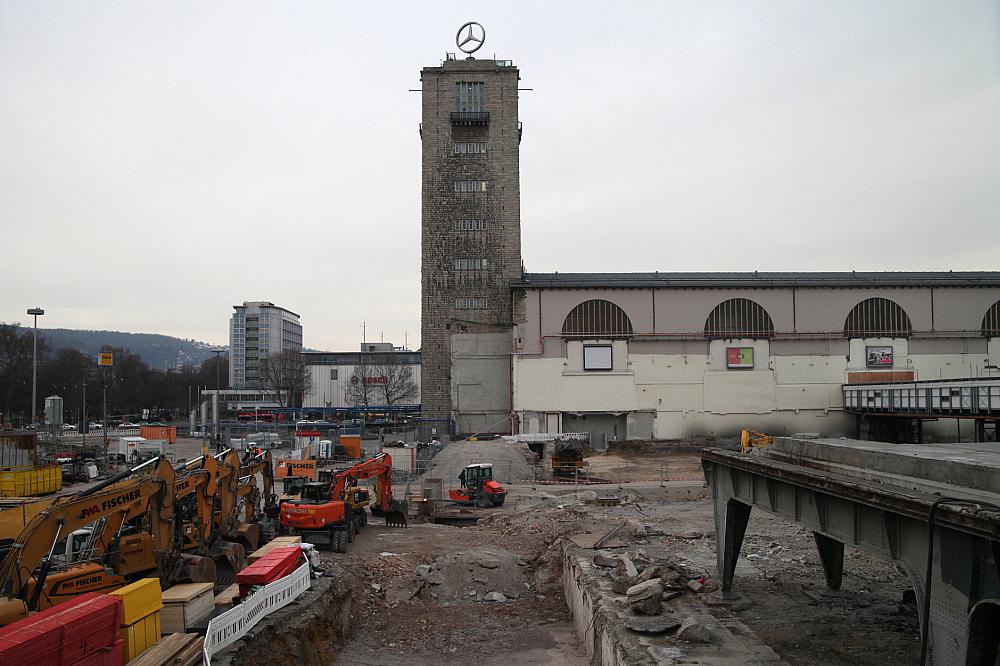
{"x": 656, "y": 583}
{"x": 482, "y": 574}
{"x": 646, "y": 598}
{"x": 510, "y": 460}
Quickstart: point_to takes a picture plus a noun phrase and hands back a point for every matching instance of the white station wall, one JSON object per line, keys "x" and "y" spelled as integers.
{"x": 696, "y": 395}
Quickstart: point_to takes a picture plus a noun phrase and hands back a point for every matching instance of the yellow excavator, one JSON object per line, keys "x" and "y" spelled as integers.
{"x": 257, "y": 508}
{"x": 29, "y": 579}
{"x": 751, "y": 439}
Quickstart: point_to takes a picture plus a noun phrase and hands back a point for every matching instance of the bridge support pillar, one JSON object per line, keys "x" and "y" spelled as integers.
{"x": 831, "y": 556}
{"x": 737, "y": 517}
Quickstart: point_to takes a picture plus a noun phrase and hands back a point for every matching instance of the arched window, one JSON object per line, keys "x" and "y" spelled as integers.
{"x": 739, "y": 318}
{"x": 991, "y": 321}
{"x": 597, "y": 319}
{"x": 877, "y": 318}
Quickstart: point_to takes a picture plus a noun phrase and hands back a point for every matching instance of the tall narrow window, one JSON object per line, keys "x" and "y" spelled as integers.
{"x": 471, "y": 96}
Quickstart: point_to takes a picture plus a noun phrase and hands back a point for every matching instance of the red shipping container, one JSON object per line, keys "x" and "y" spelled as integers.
{"x": 113, "y": 656}
{"x": 276, "y": 564}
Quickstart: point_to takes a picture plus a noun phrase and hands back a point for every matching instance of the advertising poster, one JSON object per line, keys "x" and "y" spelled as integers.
{"x": 739, "y": 357}
{"x": 878, "y": 357}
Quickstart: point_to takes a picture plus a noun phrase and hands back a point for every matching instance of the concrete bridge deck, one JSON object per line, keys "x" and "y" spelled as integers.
{"x": 879, "y": 497}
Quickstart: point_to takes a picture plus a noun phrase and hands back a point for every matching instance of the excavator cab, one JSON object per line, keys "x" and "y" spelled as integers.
{"x": 478, "y": 487}
{"x": 314, "y": 493}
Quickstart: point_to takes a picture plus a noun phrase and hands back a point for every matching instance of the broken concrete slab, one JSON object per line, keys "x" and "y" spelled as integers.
{"x": 605, "y": 561}
{"x": 645, "y": 597}
{"x": 652, "y": 625}
{"x": 624, "y": 575}
{"x": 695, "y": 585}
{"x": 693, "y": 631}
{"x": 495, "y": 596}
{"x": 649, "y": 573}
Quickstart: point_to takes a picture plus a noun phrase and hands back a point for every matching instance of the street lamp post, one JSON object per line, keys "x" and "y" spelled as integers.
{"x": 218, "y": 389}
{"x": 36, "y": 313}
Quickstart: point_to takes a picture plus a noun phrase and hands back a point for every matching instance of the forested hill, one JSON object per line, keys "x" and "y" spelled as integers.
{"x": 158, "y": 351}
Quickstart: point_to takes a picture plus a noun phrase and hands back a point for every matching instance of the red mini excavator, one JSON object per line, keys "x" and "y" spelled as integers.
{"x": 326, "y": 514}
{"x": 478, "y": 487}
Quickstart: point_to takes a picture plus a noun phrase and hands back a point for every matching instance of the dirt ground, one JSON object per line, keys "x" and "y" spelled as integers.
{"x": 407, "y": 596}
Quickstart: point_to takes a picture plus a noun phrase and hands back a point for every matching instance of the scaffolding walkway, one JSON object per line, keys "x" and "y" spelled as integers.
{"x": 896, "y": 411}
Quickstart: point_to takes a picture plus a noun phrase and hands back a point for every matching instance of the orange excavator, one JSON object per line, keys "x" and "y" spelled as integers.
{"x": 332, "y": 513}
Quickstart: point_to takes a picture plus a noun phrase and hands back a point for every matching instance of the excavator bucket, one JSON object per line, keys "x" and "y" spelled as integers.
{"x": 230, "y": 557}
{"x": 398, "y": 514}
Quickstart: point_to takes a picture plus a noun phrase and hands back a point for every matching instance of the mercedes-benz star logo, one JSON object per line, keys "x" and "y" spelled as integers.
{"x": 473, "y": 39}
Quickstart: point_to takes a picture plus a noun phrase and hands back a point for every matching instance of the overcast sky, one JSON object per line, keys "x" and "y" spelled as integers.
{"x": 161, "y": 162}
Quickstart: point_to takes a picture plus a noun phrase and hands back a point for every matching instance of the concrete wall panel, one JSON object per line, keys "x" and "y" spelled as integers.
{"x": 809, "y": 369}
{"x": 685, "y": 310}
{"x": 962, "y": 309}
{"x": 826, "y": 310}
{"x": 734, "y": 392}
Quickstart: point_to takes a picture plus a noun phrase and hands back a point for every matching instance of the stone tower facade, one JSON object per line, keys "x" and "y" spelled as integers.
{"x": 470, "y": 213}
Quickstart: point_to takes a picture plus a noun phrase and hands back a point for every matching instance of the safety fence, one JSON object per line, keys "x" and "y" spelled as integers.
{"x": 227, "y": 628}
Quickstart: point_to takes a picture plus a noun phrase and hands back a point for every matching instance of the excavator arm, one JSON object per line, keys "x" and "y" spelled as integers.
{"x": 252, "y": 466}
{"x": 116, "y": 500}
{"x": 378, "y": 467}
{"x": 202, "y": 484}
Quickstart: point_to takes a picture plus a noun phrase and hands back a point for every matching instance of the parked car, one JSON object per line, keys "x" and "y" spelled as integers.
{"x": 68, "y": 426}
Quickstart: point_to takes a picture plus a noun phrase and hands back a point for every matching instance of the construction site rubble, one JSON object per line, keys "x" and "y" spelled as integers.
{"x": 482, "y": 574}
{"x": 645, "y": 597}
{"x": 501, "y": 591}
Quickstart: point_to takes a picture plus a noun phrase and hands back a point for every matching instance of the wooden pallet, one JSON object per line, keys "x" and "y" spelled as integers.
{"x": 172, "y": 650}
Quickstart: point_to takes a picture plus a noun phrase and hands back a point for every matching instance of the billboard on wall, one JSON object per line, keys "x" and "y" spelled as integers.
{"x": 878, "y": 357}
{"x": 739, "y": 357}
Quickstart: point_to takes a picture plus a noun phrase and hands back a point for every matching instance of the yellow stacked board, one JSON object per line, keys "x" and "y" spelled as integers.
{"x": 140, "y": 627}
{"x": 277, "y": 542}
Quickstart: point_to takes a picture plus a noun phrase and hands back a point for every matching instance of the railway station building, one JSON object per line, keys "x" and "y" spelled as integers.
{"x": 649, "y": 355}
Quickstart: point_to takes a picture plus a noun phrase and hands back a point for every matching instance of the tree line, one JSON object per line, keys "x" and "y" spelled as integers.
{"x": 131, "y": 385}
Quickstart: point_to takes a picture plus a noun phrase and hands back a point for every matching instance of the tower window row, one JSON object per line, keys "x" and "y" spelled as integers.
{"x": 470, "y": 264}
{"x": 470, "y": 225}
{"x": 469, "y": 148}
{"x": 465, "y": 186}
{"x": 471, "y": 303}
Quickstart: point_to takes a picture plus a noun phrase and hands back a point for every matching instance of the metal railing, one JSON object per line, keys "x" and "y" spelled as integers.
{"x": 227, "y": 628}
{"x": 470, "y": 117}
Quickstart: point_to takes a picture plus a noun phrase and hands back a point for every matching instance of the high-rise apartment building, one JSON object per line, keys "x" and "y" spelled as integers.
{"x": 257, "y": 330}
{"x": 470, "y": 222}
